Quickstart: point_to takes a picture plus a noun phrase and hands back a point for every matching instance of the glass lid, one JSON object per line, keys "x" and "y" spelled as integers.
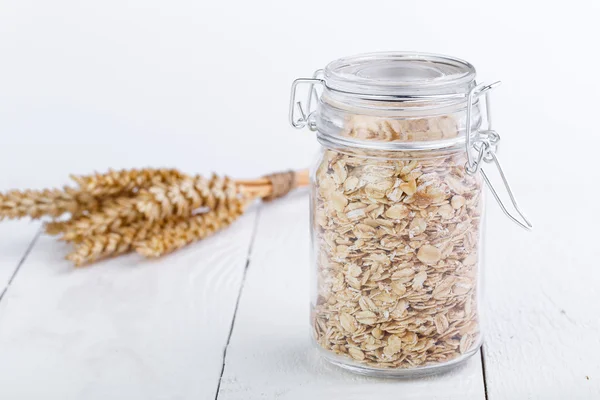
{"x": 397, "y": 75}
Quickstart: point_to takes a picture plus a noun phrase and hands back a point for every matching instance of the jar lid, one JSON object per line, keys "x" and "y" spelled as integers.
{"x": 393, "y": 76}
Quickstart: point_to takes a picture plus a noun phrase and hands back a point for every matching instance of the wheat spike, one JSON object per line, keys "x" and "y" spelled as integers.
{"x": 115, "y": 212}
{"x": 228, "y": 206}
{"x": 126, "y": 181}
{"x": 119, "y": 234}
{"x": 151, "y": 239}
{"x": 163, "y": 201}
{"x": 56, "y": 202}
{"x": 185, "y": 231}
{"x": 110, "y": 244}
{"x": 38, "y": 203}
{"x": 156, "y": 203}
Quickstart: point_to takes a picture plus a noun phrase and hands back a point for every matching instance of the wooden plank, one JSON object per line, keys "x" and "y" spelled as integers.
{"x": 269, "y": 354}
{"x": 543, "y": 336}
{"x": 17, "y": 238}
{"x": 126, "y": 328}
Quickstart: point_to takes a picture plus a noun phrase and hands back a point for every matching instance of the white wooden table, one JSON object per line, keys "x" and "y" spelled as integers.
{"x": 203, "y": 86}
{"x": 228, "y": 318}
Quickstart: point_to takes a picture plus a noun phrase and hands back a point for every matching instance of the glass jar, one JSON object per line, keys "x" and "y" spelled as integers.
{"x": 397, "y": 210}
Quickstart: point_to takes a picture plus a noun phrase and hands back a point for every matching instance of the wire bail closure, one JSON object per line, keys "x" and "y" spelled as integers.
{"x": 306, "y": 116}
{"x": 485, "y": 143}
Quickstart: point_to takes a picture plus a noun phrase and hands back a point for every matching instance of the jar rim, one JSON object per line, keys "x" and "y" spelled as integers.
{"x": 339, "y": 142}
{"x": 400, "y": 76}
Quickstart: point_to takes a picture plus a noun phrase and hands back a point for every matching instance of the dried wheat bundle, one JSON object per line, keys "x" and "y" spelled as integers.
{"x": 151, "y": 211}
{"x": 154, "y": 204}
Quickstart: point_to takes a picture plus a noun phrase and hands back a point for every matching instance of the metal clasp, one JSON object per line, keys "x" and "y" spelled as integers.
{"x": 486, "y": 145}
{"x": 306, "y": 113}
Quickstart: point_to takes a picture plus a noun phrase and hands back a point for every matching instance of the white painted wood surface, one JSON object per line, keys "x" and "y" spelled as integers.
{"x": 17, "y": 238}
{"x": 204, "y": 86}
{"x": 126, "y": 329}
{"x": 542, "y": 302}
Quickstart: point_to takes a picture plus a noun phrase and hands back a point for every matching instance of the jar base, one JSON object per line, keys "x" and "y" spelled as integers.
{"x": 399, "y": 373}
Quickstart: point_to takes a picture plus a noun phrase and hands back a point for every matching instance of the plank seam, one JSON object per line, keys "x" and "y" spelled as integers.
{"x": 21, "y": 262}
{"x": 237, "y": 302}
{"x": 485, "y": 389}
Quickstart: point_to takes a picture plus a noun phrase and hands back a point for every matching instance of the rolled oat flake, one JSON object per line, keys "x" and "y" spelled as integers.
{"x": 397, "y": 209}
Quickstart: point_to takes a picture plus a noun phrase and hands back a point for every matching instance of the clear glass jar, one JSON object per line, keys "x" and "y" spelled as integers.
{"x": 396, "y": 211}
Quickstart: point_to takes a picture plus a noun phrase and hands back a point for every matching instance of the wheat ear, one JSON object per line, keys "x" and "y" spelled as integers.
{"x": 117, "y": 241}
{"x": 125, "y": 181}
{"x": 38, "y": 203}
{"x": 156, "y": 203}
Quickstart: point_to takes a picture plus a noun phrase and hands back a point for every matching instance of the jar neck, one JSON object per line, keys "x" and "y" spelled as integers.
{"x": 407, "y": 124}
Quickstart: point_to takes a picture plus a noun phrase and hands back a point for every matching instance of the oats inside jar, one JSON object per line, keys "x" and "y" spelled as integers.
{"x": 396, "y": 239}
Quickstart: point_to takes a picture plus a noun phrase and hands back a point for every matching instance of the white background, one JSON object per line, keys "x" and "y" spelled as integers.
{"x": 203, "y": 86}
